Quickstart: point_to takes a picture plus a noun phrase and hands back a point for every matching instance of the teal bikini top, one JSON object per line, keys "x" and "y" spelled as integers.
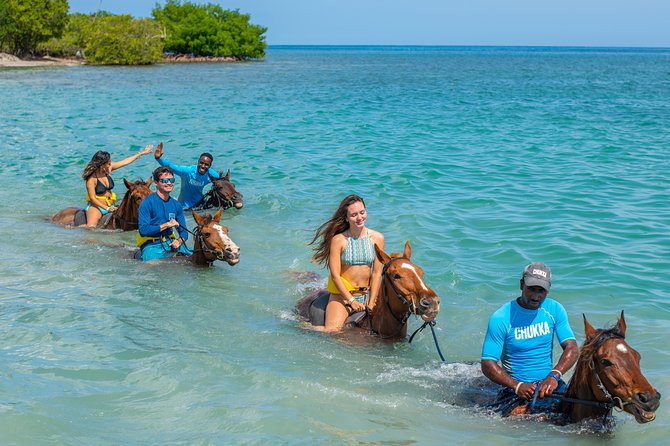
{"x": 358, "y": 251}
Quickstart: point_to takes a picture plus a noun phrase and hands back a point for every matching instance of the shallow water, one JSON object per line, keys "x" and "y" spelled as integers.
{"x": 484, "y": 158}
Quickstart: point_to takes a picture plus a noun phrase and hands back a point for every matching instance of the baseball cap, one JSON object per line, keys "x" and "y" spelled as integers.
{"x": 537, "y": 274}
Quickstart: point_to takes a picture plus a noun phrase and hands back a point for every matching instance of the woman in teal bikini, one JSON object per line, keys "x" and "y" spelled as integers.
{"x": 346, "y": 247}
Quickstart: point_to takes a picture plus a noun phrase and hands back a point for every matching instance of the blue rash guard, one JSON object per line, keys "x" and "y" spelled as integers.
{"x": 523, "y": 339}
{"x": 152, "y": 213}
{"x": 192, "y": 183}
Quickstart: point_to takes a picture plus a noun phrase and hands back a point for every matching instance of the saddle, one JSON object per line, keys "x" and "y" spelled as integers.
{"x": 317, "y": 311}
{"x": 80, "y": 219}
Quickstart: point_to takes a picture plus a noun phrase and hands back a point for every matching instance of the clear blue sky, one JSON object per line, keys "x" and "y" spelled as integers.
{"x": 631, "y": 23}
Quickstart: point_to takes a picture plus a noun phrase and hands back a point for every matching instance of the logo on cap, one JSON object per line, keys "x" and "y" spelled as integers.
{"x": 539, "y": 272}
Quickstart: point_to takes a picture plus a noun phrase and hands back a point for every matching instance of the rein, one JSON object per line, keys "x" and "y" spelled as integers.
{"x": 410, "y": 310}
{"x": 432, "y": 330}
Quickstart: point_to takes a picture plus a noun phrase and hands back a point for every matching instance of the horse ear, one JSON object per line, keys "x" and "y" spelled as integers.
{"x": 227, "y": 177}
{"x": 217, "y": 216}
{"x": 211, "y": 178}
{"x": 196, "y": 217}
{"x": 589, "y": 331}
{"x": 127, "y": 183}
{"x": 408, "y": 250}
{"x": 381, "y": 255}
{"x": 621, "y": 325}
{"x": 148, "y": 182}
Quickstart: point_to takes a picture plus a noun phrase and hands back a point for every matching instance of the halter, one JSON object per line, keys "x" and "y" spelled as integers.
{"x": 612, "y": 402}
{"x": 204, "y": 248}
{"x": 411, "y": 305}
{"x": 212, "y": 199}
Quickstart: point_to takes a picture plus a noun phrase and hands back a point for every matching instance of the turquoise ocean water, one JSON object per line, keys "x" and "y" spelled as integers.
{"x": 484, "y": 158}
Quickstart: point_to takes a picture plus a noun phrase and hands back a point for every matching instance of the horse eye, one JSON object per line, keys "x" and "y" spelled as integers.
{"x": 396, "y": 276}
{"x": 206, "y": 234}
{"x": 605, "y": 362}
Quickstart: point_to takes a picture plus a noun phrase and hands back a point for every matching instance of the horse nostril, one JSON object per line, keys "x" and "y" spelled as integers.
{"x": 425, "y": 303}
{"x": 643, "y": 397}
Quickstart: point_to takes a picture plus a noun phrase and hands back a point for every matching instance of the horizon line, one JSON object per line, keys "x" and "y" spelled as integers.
{"x": 423, "y": 45}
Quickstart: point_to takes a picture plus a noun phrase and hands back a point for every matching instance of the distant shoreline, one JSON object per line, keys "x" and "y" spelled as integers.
{"x": 9, "y": 61}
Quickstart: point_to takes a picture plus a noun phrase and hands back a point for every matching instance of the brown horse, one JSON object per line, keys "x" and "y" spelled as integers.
{"x": 221, "y": 195}
{"x": 403, "y": 293}
{"x": 211, "y": 241}
{"x": 124, "y": 218}
{"x": 608, "y": 372}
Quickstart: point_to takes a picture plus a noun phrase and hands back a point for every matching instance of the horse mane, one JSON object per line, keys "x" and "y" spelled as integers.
{"x": 584, "y": 367}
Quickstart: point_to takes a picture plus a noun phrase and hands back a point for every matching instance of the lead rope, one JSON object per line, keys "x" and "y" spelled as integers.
{"x": 431, "y": 324}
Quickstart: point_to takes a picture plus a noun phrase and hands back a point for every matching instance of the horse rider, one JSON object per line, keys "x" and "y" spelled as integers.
{"x": 346, "y": 246}
{"x": 162, "y": 226}
{"x": 520, "y": 335}
{"x": 99, "y": 183}
{"x": 194, "y": 178}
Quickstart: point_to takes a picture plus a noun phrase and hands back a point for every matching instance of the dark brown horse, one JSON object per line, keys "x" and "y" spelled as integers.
{"x": 124, "y": 218}
{"x": 211, "y": 241}
{"x": 403, "y": 293}
{"x": 221, "y": 195}
{"x": 608, "y": 372}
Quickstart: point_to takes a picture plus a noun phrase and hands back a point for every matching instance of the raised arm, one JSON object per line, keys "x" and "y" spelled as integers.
{"x": 130, "y": 159}
{"x": 177, "y": 169}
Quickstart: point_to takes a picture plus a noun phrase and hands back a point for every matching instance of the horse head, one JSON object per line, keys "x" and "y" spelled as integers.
{"x": 616, "y": 374}
{"x": 213, "y": 239}
{"x": 223, "y": 193}
{"x": 137, "y": 191}
{"x": 127, "y": 215}
{"x": 406, "y": 280}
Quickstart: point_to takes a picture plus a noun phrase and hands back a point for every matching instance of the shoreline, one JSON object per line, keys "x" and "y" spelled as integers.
{"x": 10, "y": 61}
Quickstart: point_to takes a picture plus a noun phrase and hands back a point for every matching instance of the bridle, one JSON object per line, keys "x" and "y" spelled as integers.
{"x": 611, "y": 402}
{"x": 411, "y": 306}
{"x": 213, "y": 199}
{"x": 204, "y": 247}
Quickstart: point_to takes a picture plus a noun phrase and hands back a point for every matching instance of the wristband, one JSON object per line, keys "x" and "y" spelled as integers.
{"x": 558, "y": 372}
{"x": 516, "y": 389}
{"x": 556, "y": 377}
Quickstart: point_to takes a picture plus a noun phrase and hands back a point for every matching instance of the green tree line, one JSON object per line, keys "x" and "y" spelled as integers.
{"x": 31, "y": 27}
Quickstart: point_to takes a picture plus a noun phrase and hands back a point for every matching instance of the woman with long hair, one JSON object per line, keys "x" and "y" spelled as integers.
{"x": 346, "y": 246}
{"x": 99, "y": 184}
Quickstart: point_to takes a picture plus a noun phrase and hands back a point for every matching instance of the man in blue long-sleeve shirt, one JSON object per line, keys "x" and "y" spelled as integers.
{"x": 193, "y": 178}
{"x": 162, "y": 226}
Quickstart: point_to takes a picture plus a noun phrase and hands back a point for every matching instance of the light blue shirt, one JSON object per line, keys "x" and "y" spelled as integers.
{"x": 523, "y": 339}
{"x": 192, "y": 183}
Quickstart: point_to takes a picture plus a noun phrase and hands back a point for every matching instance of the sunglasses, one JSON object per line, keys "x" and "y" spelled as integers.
{"x": 167, "y": 180}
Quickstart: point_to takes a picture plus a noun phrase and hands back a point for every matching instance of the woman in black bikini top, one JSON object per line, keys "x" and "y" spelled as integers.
{"x": 99, "y": 195}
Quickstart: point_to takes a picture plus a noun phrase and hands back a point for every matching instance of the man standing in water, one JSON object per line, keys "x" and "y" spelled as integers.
{"x": 194, "y": 178}
{"x": 162, "y": 226}
{"x": 520, "y": 334}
